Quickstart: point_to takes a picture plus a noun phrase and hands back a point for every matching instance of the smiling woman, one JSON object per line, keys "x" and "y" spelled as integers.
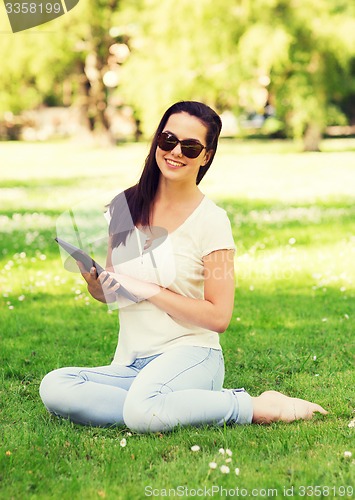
{"x": 168, "y": 369}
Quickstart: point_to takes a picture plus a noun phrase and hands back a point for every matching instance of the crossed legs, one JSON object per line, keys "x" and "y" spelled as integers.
{"x": 183, "y": 386}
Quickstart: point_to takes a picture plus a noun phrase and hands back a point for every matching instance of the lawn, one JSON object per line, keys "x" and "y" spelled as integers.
{"x": 293, "y": 217}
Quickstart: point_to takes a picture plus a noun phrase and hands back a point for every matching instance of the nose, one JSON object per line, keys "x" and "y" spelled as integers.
{"x": 177, "y": 150}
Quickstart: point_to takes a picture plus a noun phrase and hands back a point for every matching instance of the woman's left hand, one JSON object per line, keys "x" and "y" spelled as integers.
{"x": 141, "y": 289}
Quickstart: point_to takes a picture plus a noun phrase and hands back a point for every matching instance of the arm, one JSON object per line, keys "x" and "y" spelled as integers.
{"x": 215, "y": 310}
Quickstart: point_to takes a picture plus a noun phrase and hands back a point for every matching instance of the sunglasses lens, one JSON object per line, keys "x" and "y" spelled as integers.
{"x": 167, "y": 142}
{"x": 189, "y": 147}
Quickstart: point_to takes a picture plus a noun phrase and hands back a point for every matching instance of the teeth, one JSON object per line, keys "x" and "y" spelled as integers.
{"x": 174, "y": 163}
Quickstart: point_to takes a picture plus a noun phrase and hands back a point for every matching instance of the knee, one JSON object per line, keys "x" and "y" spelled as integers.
{"x": 140, "y": 415}
{"x": 46, "y": 387}
{"x": 49, "y": 389}
{"x": 134, "y": 416}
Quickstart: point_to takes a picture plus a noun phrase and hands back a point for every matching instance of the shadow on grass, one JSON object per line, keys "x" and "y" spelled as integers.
{"x": 254, "y": 222}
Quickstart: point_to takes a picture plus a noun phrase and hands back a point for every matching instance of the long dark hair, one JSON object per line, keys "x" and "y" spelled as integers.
{"x": 133, "y": 206}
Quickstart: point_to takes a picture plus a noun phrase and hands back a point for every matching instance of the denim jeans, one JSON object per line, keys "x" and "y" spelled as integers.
{"x": 182, "y": 386}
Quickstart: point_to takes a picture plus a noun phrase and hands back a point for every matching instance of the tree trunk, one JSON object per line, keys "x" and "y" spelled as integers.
{"x": 312, "y": 137}
{"x": 92, "y": 102}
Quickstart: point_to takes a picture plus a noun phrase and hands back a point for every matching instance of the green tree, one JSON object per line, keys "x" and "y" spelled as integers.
{"x": 34, "y": 65}
{"x": 237, "y": 54}
{"x": 315, "y": 73}
{"x": 74, "y": 52}
{"x": 232, "y": 54}
{"x": 181, "y": 50}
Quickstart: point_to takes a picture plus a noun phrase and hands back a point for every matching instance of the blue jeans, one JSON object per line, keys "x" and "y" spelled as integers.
{"x": 182, "y": 386}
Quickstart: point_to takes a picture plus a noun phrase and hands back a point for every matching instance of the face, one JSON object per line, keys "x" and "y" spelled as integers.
{"x": 174, "y": 165}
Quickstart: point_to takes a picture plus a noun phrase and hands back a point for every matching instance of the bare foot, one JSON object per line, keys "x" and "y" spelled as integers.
{"x": 272, "y": 406}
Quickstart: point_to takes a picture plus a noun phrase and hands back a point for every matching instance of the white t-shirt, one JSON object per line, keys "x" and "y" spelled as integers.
{"x": 177, "y": 264}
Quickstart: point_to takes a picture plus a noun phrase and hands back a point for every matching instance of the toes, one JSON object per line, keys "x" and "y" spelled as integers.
{"x": 306, "y": 409}
{"x": 320, "y": 409}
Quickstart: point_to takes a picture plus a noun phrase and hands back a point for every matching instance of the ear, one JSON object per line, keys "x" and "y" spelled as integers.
{"x": 207, "y": 157}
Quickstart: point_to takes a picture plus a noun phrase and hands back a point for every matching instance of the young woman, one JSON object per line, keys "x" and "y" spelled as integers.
{"x": 173, "y": 248}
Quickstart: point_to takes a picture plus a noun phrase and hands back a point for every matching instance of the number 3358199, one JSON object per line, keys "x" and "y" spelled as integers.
{"x": 33, "y": 8}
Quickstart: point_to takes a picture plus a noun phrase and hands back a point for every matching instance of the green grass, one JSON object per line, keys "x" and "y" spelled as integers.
{"x": 293, "y": 219}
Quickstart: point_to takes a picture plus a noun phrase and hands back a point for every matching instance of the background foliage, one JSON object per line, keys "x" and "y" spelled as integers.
{"x": 237, "y": 55}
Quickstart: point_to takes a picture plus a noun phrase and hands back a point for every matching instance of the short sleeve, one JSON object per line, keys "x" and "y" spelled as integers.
{"x": 217, "y": 234}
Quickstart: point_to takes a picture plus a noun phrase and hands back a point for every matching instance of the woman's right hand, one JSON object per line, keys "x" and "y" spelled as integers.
{"x": 100, "y": 288}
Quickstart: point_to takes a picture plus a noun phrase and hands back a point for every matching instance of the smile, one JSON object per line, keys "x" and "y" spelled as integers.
{"x": 174, "y": 164}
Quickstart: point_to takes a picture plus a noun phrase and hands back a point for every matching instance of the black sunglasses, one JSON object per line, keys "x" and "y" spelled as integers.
{"x": 190, "y": 148}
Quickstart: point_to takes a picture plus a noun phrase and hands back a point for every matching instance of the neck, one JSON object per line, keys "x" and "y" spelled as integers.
{"x": 176, "y": 193}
